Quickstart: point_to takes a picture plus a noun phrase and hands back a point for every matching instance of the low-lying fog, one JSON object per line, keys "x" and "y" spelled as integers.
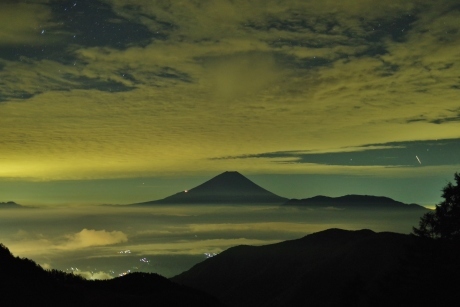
{"x": 106, "y": 241}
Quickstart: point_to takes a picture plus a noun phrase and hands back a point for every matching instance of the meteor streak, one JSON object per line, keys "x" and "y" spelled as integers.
{"x": 418, "y": 160}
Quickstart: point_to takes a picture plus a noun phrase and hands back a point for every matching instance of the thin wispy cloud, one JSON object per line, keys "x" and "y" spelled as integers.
{"x": 396, "y": 154}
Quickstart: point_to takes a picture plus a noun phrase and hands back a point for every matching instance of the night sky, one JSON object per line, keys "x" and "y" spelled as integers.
{"x": 122, "y": 101}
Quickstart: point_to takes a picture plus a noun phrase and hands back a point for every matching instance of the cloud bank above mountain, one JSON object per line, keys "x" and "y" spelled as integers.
{"x": 130, "y": 88}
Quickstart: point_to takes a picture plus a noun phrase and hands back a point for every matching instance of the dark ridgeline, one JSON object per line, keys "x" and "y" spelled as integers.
{"x": 234, "y": 188}
{"x": 24, "y": 283}
{"x": 317, "y": 270}
{"x": 330, "y": 268}
{"x": 10, "y": 205}
{"x": 226, "y": 188}
{"x": 355, "y": 202}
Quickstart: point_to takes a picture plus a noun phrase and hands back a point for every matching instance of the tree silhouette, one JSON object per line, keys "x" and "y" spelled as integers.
{"x": 444, "y": 222}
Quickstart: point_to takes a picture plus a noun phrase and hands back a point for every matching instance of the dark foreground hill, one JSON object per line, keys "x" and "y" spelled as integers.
{"x": 24, "y": 283}
{"x": 360, "y": 202}
{"x": 330, "y": 268}
{"x": 226, "y": 188}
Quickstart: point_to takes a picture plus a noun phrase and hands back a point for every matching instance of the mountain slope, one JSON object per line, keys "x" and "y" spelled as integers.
{"x": 24, "y": 283}
{"x": 354, "y": 202}
{"x": 323, "y": 269}
{"x": 226, "y": 188}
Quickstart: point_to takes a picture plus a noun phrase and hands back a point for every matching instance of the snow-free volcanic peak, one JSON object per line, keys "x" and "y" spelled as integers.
{"x": 227, "y": 188}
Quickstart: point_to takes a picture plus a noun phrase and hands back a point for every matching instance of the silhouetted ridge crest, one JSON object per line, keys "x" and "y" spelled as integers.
{"x": 9, "y": 205}
{"x": 316, "y": 270}
{"x": 353, "y": 202}
{"x": 5, "y": 253}
{"x": 227, "y": 188}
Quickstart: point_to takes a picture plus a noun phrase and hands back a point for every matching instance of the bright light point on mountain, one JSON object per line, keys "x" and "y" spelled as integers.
{"x": 185, "y": 191}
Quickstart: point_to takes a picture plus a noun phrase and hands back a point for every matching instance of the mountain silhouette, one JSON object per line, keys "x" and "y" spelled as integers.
{"x": 331, "y": 268}
{"x": 354, "y": 202}
{"x": 311, "y": 271}
{"x": 10, "y": 205}
{"x": 226, "y": 188}
{"x": 24, "y": 283}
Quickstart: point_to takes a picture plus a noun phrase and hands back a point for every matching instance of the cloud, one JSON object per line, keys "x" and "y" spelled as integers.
{"x": 197, "y": 247}
{"x": 223, "y": 229}
{"x": 94, "y": 275}
{"x": 396, "y": 154}
{"x": 90, "y": 275}
{"x": 276, "y": 227}
{"x": 239, "y": 75}
{"x": 26, "y": 242}
{"x": 161, "y": 87}
{"x": 89, "y": 237}
{"x": 59, "y": 237}
{"x": 23, "y": 23}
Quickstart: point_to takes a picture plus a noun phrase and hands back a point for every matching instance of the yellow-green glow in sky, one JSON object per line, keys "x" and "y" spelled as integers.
{"x": 129, "y": 89}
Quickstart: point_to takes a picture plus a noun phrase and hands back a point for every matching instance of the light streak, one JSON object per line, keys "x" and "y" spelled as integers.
{"x": 418, "y": 160}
